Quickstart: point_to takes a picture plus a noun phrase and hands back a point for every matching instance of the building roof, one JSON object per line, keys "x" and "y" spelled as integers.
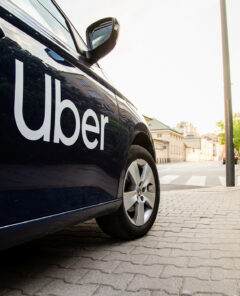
{"x": 148, "y": 119}
{"x": 155, "y": 124}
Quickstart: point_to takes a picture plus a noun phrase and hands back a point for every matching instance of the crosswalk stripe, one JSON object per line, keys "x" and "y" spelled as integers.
{"x": 222, "y": 180}
{"x": 168, "y": 179}
{"x": 197, "y": 181}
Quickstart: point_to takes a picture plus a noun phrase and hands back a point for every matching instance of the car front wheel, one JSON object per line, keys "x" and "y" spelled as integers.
{"x": 141, "y": 196}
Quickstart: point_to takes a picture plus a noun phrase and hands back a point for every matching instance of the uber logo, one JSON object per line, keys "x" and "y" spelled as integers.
{"x": 60, "y": 105}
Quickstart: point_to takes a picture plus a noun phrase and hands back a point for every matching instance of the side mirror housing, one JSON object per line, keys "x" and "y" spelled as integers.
{"x": 101, "y": 38}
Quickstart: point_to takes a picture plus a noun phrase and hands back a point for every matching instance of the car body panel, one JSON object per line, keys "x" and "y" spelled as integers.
{"x": 15, "y": 234}
{"x": 53, "y": 162}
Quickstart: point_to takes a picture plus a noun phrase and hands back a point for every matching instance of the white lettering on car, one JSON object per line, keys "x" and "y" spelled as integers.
{"x": 45, "y": 130}
{"x": 104, "y": 121}
{"x": 59, "y": 107}
{"x": 91, "y": 128}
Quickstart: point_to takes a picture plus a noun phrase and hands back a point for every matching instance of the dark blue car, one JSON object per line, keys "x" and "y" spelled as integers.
{"x": 72, "y": 146}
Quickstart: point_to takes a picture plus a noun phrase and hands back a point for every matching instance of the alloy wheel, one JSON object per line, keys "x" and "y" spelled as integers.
{"x": 139, "y": 192}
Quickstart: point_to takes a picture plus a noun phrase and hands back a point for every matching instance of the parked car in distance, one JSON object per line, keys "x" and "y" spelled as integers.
{"x": 72, "y": 146}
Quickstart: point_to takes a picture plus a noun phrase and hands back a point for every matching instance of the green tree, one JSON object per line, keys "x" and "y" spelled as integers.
{"x": 236, "y": 131}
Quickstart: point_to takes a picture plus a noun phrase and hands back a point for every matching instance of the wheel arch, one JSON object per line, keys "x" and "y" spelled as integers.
{"x": 146, "y": 142}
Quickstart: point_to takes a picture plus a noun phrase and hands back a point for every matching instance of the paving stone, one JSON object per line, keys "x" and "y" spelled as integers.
{"x": 172, "y": 286}
{"x": 221, "y": 274}
{"x": 199, "y": 272}
{"x": 225, "y": 254}
{"x": 25, "y": 284}
{"x": 108, "y": 291}
{"x": 159, "y": 233}
{"x": 224, "y": 263}
{"x": 151, "y": 251}
{"x": 117, "y": 281}
{"x": 188, "y": 225}
{"x": 183, "y": 253}
{"x": 66, "y": 274}
{"x": 149, "y": 270}
{"x": 166, "y": 228}
{"x": 161, "y": 293}
{"x": 124, "y": 248}
{"x": 180, "y": 261}
{"x": 214, "y": 235}
{"x": 60, "y": 261}
{"x": 116, "y": 256}
{"x": 180, "y": 234}
{"x": 106, "y": 266}
{"x": 194, "y": 240}
{"x": 217, "y": 247}
{"x": 235, "y": 240}
{"x": 236, "y": 262}
{"x": 175, "y": 245}
{"x": 60, "y": 288}
{"x": 96, "y": 254}
{"x": 160, "y": 239}
{"x": 143, "y": 243}
{"x": 226, "y": 287}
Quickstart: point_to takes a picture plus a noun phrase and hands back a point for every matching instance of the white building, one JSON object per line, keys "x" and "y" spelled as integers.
{"x": 175, "y": 145}
{"x": 187, "y": 129}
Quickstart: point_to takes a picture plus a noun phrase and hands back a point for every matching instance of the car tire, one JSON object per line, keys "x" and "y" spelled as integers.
{"x": 141, "y": 197}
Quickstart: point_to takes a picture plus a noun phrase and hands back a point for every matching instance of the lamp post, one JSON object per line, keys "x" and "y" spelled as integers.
{"x": 230, "y": 169}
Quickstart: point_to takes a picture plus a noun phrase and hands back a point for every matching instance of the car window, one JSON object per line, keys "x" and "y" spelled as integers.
{"x": 46, "y": 13}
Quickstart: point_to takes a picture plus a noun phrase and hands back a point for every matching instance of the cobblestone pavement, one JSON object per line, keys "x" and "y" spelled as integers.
{"x": 193, "y": 249}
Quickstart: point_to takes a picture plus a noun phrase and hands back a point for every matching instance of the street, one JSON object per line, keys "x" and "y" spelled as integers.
{"x": 190, "y": 175}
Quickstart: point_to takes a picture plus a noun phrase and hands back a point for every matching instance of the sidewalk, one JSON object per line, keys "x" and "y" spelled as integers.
{"x": 192, "y": 249}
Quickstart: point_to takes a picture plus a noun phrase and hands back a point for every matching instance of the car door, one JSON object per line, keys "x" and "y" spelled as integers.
{"x": 58, "y": 123}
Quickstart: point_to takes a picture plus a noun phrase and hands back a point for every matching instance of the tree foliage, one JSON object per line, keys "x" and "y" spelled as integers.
{"x": 236, "y": 131}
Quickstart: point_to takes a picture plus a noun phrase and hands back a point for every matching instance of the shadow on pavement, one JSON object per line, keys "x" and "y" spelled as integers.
{"x": 41, "y": 258}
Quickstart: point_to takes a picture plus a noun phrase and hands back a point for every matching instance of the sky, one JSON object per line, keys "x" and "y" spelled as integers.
{"x": 168, "y": 59}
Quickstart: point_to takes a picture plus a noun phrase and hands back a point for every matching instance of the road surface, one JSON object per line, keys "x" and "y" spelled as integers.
{"x": 189, "y": 175}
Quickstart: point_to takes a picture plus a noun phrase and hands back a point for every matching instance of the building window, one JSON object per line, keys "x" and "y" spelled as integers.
{"x": 159, "y": 135}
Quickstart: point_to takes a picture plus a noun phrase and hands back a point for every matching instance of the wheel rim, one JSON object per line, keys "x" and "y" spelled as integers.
{"x": 139, "y": 192}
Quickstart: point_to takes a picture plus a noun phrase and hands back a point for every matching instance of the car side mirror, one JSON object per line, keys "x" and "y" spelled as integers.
{"x": 101, "y": 38}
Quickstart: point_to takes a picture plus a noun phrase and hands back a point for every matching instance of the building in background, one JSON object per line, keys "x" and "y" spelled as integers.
{"x": 183, "y": 144}
{"x": 161, "y": 146}
{"x": 162, "y": 150}
{"x": 202, "y": 148}
{"x": 186, "y": 128}
{"x": 218, "y": 149}
{"x": 172, "y": 141}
